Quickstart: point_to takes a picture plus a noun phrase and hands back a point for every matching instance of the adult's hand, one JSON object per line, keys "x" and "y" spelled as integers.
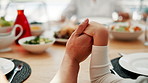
{"x": 98, "y": 32}
{"x": 78, "y": 48}
{"x": 79, "y": 45}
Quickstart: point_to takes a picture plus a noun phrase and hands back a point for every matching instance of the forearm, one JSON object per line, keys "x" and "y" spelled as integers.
{"x": 99, "y": 63}
{"x": 70, "y": 10}
{"x": 99, "y": 67}
{"x": 68, "y": 71}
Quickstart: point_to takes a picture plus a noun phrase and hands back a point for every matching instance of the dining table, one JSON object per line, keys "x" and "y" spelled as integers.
{"x": 45, "y": 65}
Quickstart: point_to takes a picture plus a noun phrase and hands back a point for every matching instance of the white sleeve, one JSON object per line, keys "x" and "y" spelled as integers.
{"x": 70, "y": 10}
{"x": 99, "y": 67}
{"x": 142, "y": 79}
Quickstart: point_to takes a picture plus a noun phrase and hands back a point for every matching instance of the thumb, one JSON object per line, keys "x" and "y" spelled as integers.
{"x": 82, "y": 27}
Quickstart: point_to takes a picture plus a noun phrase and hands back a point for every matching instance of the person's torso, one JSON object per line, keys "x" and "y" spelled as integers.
{"x": 100, "y": 8}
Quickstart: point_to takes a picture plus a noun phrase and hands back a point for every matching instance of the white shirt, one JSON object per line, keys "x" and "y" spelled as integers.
{"x": 100, "y": 72}
{"x": 90, "y": 8}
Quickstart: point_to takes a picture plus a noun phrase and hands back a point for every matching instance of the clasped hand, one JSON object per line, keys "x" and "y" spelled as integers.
{"x": 79, "y": 45}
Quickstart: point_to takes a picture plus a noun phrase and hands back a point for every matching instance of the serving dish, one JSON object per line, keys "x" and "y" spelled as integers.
{"x": 126, "y": 31}
{"x": 35, "y": 47}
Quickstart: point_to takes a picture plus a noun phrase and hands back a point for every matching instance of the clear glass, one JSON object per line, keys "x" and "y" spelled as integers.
{"x": 3, "y": 6}
{"x": 146, "y": 33}
{"x": 35, "y": 11}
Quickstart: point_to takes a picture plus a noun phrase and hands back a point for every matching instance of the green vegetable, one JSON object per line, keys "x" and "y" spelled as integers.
{"x": 38, "y": 40}
{"x": 121, "y": 29}
{"x": 4, "y": 23}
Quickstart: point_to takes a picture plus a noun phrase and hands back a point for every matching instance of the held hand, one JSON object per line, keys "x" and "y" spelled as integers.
{"x": 79, "y": 44}
{"x": 78, "y": 49}
{"x": 98, "y": 32}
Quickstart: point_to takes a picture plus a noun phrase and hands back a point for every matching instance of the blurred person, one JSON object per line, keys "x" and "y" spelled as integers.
{"x": 78, "y": 48}
{"x": 93, "y": 8}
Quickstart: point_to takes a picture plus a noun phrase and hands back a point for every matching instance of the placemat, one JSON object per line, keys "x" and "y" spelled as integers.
{"x": 21, "y": 75}
{"x": 121, "y": 71}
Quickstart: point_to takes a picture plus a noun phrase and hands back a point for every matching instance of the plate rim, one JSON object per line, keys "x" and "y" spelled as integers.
{"x": 61, "y": 40}
{"x": 9, "y": 62}
{"x": 130, "y": 55}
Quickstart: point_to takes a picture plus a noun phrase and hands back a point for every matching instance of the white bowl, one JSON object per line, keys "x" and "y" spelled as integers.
{"x": 5, "y": 29}
{"x": 38, "y": 48}
{"x": 7, "y": 39}
{"x": 126, "y": 35}
{"x": 37, "y": 32}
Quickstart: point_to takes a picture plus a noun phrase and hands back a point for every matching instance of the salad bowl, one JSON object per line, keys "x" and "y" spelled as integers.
{"x": 125, "y": 31}
{"x": 36, "y": 44}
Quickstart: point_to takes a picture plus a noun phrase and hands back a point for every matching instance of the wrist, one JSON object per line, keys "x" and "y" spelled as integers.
{"x": 70, "y": 60}
{"x": 100, "y": 38}
{"x": 68, "y": 70}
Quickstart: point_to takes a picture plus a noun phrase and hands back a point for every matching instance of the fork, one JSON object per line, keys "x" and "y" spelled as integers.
{"x": 17, "y": 69}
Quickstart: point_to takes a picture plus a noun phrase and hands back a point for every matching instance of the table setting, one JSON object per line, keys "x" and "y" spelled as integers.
{"x": 36, "y": 58}
{"x": 54, "y": 52}
{"x": 16, "y": 71}
{"x": 131, "y": 65}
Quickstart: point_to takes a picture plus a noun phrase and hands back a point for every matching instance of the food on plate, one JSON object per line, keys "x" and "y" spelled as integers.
{"x": 38, "y": 40}
{"x": 35, "y": 27}
{"x": 64, "y": 33}
{"x": 4, "y": 23}
{"x": 124, "y": 28}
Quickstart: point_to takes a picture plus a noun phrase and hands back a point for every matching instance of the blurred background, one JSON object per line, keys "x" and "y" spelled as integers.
{"x": 52, "y": 9}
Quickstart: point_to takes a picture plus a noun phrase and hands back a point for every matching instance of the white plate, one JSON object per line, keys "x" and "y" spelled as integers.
{"x": 61, "y": 40}
{"x": 136, "y": 62}
{"x": 6, "y": 65}
{"x": 102, "y": 20}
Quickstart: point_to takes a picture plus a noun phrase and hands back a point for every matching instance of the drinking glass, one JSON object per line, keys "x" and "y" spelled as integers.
{"x": 3, "y": 6}
{"x": 35, "y": 11}
{"x": 146, "y": 33}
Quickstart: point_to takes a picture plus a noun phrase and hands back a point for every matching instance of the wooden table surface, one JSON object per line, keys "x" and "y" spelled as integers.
{"x": 44, "y": 66}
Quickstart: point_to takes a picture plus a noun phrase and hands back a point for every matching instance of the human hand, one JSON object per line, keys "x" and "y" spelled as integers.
{"x": 98, "y": 32}
{"x": 79, "y": 45}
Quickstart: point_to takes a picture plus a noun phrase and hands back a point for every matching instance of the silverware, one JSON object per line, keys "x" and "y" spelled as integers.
{"x": 17, "y": 69}
{"x": 112, "y": 69}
